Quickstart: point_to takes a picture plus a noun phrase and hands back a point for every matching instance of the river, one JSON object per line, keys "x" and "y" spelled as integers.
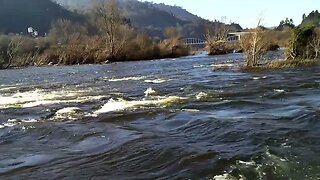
{"x": 196, "y": 117}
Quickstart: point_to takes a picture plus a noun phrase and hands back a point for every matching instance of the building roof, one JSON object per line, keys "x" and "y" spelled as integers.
{"x": 239, "y": 33}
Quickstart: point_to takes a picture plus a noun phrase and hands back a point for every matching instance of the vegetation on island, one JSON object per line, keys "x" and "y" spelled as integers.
{"x": 303, "y": 48}
{"x": 302, "y": 43}
{"x": 217, "y": 38}
{"x": 255, "y": 45}
{"x": 109, "y": 37}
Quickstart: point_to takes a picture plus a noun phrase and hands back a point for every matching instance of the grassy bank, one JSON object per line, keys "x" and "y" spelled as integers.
{"x": 283, "y": 64}
{"x": 19, "y": 51}
{"x": 280, "y": 64}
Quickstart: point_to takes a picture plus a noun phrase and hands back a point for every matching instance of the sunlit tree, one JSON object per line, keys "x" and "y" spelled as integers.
{"x": 112, "y": 26}
{"x": 255, "y": 45}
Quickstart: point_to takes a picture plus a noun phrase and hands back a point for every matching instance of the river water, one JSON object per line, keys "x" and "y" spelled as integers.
{"x": 196, "y": 117}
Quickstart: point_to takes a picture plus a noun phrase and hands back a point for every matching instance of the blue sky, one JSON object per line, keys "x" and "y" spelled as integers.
{"x": 246, "y": 12}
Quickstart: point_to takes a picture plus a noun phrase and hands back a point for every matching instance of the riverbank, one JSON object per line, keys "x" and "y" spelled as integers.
{"x": 26, "y": 51}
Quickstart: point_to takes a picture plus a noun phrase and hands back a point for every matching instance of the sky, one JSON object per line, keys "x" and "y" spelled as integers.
{"x": 247, "y": 12}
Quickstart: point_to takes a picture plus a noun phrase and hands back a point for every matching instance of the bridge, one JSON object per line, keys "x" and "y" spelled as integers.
{"x": 231, "y": 37}
{"x": 194, "y": 41}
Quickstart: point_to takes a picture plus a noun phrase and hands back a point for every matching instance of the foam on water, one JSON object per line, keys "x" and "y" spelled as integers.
{"x": 260, "y": 169}
{"x": 150, "y": 92}
{"x": 279, "y": 90}
{"x": 7, "y": 88}
{"x": 224, "y": 65}
{"x": 14, "y": 122}
{"x": 69, "y": 113}
{"x": 258, "y": 78}
{"x": 190, "y": 110}
{"x": 156, "y": 81}
{"x": 68, "y": 110}
{"x": 225, "y": 176}
{"x": 39, "y": 103}
{"x": 201, "y": 95}
{"x": 125, "y": 79}
{"x": 247, "y": 163}
{"x": 120, "y": 104}
{"x": 199, "y": 66}
{"x": 39, "y": 97}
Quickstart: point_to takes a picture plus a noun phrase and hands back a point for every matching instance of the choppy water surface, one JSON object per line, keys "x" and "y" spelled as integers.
{"x": 196, "y": 117}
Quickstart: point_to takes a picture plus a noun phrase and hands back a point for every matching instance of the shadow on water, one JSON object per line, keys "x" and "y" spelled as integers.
{"x": 180, "y": 118}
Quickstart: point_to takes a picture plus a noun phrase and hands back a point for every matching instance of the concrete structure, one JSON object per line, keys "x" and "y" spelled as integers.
{"x": 32, "y": 32}
{"x": 236, "y": 36}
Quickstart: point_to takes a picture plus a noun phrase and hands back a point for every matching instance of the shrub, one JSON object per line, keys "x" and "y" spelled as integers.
{"x": 315, "y": 43}
{"x": 223, "y": 47}
{"x": 272, "y": 47}
{"x": 255, "y": 46}
{"x": 279, "y": 64}
{"x": 62, "y": 31}
{"x": 10, "y": 49}
{"x": 299, "y": 43}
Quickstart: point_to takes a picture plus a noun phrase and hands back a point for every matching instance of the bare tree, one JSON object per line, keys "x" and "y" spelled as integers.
{"x": 62, "y": 31}
{"x": 9, "y": 53}
{"x": 174, "y": 37}
{"x": 315, "y": 43}
{"x": 172, "y": 32}
{"x": 255, "y": 45}
{"x": 112, "y": 26}
{"x": 217, "y": 31}
{"x": 216, "y": 37}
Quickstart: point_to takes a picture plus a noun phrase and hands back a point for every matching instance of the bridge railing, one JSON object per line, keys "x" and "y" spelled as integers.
{"x": 194, "y": 41}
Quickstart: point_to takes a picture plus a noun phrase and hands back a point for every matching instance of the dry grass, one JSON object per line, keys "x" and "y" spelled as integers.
{"x": 279, "y": 38}
{"x": 93, "y": 50}
{"x": 284, "y": 64}
{"x": 69, "y": 43}
{"x": 223, "y": 47}
{"x": 281, "y": 64}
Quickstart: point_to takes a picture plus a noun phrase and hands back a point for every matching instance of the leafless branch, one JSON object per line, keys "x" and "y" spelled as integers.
{"x": 255, "y": 45}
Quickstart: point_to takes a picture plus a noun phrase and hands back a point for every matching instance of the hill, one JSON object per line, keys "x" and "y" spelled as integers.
{"x": 146, "y": 16}
{"x": 178, "y": 12}
{"x": 152, "y": 18}
{"x": 17, "y": 15}
{"x": 77, "y": 4}
{"x": 313, "y": 19}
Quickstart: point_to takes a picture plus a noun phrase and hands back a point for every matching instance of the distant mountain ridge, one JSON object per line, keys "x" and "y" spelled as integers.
{"x": 152, "y": 18}
{"x": 177, "y": 11}
{"x": 17, "y": 15}
{"x": 77, "y": 4}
